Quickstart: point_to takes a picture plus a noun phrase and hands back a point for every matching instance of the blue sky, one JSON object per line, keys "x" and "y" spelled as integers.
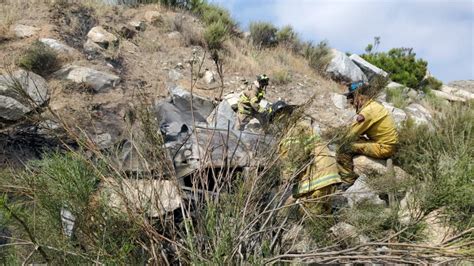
{"x": 440, "y": 31}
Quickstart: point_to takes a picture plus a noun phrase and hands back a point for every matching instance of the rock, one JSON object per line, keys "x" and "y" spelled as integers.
{"x": 13, "y": 103}
{"x": 91, "y": 47}
{"x": 447, "y": 96}
{"x": 102, "y": 37}
{"x": 339, "y": 100}
{"x": 254, "y": 126}
{"x": 411, "y": 93}
{"x": 393, "y": 85}
{"x": 153, "y": 17}
{"x": 96, "y": 79}
{"x": 436, "y": 230}
{"x": 174, "y": 75}
{"x": 458, "y": 92}
{"x": 408, "y": 209}
{"x": 360, "y": 191}
{"x": 68, "y": 220}
{"x": 143, "y": 196}
{"x": 364, "y": 165}
{"x": 179, "y": 66}
{"x": 209, "y": 77}
{"x": 138, "y": 25}
{"x": 346, "y": 231}
{"x": 341, "y": 68}
{"x": 369, "y": 70}
{"x": 103, "y": 140}
{"x": 466, "y": 85}
{"x": 175, "y": 35}
{"x": 24, "y": 31}
{"x": 419, "y": 114}
{"x": 57, "y": 46}
{"x": 296, "y": 239}
{"x": 399, "y": 116}
{"x": 223, "y": 116}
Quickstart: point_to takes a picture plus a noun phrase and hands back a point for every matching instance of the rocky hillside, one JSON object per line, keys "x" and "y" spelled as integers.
{"x": 94, "y": 106}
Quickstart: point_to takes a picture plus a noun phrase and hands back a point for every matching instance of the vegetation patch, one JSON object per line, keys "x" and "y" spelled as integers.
{"x": 40, "y": 59}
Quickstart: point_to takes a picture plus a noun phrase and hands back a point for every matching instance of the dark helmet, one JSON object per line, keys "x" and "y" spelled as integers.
{"x": 280, "y": 107}
{"x": 262, "y": 80}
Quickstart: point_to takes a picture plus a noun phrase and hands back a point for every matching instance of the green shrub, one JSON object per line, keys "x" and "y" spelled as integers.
{"x": 263, "y": 34}
{"x": 401, "y": 64}
{"x": 40, "y": 59}
{"x": 287, "y": 37}
{"x": 397, "y": 97}
{"x": 430, "y": 83}
{"x": 318, "y": 56}
{"x": 213, "y": 13}
{"x": 215, "y": 34}
{"x": 442, "y": 160}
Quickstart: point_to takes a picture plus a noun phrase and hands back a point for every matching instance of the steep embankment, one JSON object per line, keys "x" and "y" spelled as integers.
{"x": 139, "y": 53}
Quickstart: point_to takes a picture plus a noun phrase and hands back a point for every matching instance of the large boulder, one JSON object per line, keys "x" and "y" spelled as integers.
{"x": 462, "y": 93}
{"x": 153, "y": 198}
{"x": 342, "y": 68}
{"x": 399, "y": 116}
{"x": 364, "y": 165}
{"x": 465, "y": 85}
{"x": 24, "y": 31}
{"x": 96, "y": 79}
{"x": 447, "y": 96}
{"x": 339, "y": 100}
{"x": 348, "y": 233}
{"x": 361, "y": 192}
{"x": 437, "y": 229}
{"x": 419, "y": 114}
{"x": 369, "y": 70}
{"x": 102, "y": 37}
{"x": 20, "y": 93}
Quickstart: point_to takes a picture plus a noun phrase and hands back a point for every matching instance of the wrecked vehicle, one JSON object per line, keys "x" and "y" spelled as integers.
{"x": 200, "y": 134}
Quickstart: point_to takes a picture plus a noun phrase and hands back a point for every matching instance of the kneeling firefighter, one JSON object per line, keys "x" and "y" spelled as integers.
{"x": 249, "y": 101}
{"x": 306, "y": 159}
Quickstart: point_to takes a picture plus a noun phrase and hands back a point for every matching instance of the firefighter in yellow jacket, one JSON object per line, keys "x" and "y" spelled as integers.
{"x": 249, "y": 102}
{"x": 307, "y": 160}
{"x": 373, "y": 133}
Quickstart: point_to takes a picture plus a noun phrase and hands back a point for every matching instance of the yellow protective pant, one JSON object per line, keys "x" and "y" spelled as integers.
{"x": 318, "y": 202}
{"x": 373, "y": 149}
{"x": 367, "y": 148}
{"x": 318, "y": 181}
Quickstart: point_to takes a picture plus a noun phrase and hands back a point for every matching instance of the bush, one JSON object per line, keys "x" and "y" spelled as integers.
{"x": 40, "y": 59}
{"x": 263, "y": 34}
{"x": 318, "y": 56}
{"x": 211, "y": 13}
{"x": 401, "y": 64}
{"x": 287, "y": 37}
{"x": 442, "y": 160}
{"x": 430, "y": 83}
{"x": 215, "y": 34}
{"x": 397, "y": 97}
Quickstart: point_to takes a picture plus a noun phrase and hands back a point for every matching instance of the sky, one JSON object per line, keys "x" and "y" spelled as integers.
{"x": 439, "y": 31}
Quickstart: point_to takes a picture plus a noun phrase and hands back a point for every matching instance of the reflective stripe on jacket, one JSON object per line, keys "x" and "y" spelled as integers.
{"x": 249, "y": 101}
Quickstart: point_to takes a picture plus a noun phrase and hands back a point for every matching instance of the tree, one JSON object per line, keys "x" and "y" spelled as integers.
{"x": 401, "y": 64}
